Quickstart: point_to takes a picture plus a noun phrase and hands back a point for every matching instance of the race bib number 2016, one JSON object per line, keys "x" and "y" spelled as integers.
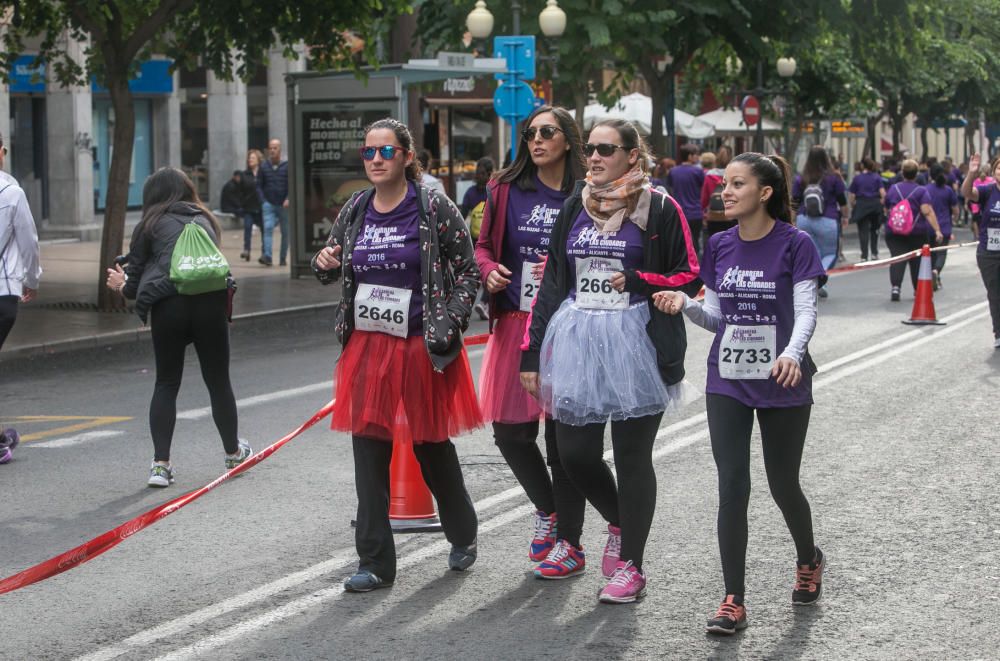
{"x": 379, "y": 309}
{"x": 747, "y": 352}
{"x": 593, "y": 284}
{"x": 993, "y": 238}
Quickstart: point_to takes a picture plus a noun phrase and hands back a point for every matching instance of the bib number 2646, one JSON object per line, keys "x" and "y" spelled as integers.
{"x": 379, "y": 309}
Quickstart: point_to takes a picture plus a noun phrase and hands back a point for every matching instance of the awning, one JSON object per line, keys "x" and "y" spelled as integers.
{"x": 638, "y": 109}
{"x": 729, "y": 121}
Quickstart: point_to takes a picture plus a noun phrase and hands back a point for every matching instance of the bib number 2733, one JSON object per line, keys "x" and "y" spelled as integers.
{"x": 747, "y": 352}
{"x": 379, "y": 309}
{"x": 593, "y": 284}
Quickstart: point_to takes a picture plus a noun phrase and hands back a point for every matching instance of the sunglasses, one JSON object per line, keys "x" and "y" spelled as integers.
{"x": 387, "y": 152}
{"x": 605, "y": 149}
{"x": 548, "y": 132}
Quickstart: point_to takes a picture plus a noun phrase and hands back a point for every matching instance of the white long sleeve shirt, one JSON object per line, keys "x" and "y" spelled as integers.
{"x": 20, "y": 264}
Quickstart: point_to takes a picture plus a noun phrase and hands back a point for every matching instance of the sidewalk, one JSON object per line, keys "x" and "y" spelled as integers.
{"x": 64, "y": 316}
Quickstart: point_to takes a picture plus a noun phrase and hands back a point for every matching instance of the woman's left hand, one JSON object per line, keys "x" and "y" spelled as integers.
{"x": 786, "y": 372}
{"x": 116, "y": 278}
{"x": 618, "y": 281}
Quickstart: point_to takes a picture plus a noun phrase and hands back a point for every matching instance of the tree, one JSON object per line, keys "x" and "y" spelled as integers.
{"x": 228, "y": 36}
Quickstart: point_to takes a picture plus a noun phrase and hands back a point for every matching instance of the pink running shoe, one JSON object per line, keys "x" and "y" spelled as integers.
{"x": 627, "y": 585}
{"x": 563, "y": 561}
{"x": 612, "y": 551}
{"x": 545, "y": 536}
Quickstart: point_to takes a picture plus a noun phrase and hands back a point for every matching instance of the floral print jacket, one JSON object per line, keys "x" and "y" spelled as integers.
{"x": 450, "y": 277}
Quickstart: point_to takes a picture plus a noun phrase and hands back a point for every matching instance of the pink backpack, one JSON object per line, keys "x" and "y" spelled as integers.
{"x": 901, "y": 215}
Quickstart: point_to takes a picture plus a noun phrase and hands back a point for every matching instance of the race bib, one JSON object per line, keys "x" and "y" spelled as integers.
{"x": 993, "y": 238}
{"x": 530, "y": 283}
{"x": 747, "y": 352}
{"x": 593, "y": 284}
{"x": 381, "y": 309}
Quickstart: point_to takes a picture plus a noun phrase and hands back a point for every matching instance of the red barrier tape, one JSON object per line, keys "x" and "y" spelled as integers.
{"x": 112, "y": 538}
{"x": 905, "y": 257}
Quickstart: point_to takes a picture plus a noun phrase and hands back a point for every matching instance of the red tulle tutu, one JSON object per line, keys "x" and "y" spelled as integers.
{"x": 500, "y": 393}
{"x": 386, "y": 388}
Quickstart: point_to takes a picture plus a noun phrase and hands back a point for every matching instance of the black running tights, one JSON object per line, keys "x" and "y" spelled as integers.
{"x": 176, "y": 322}
{"x": 783, "y": 433}
{"x": 631, "y": 503}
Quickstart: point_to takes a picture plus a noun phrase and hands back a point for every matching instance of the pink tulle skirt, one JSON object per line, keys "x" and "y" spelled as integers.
{"x": 386, "y": 388}
{"x": 501, "y": 397}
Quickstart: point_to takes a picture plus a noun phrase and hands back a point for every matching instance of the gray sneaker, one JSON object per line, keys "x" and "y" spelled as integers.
{"x": 365, "y": 581}
{"x": 160, "y": 476}
{"x": 243, "y": 453}
{"x": 462, "y": 557}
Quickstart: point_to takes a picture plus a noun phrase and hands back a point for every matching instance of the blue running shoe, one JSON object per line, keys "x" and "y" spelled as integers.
{"x": 545, "y": 536}
{"x": 563, "y": 561}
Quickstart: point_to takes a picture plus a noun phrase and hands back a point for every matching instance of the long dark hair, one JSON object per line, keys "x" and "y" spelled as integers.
{"x": 938, "y": 176}
{"x": 630, "y": 138}
{"x": 523, "y": 170}
{"x": 166, "y": 187}
{"x": 775, "y": 172}
{"x": 413, "y": 170}
{"x": 817, "y": 166}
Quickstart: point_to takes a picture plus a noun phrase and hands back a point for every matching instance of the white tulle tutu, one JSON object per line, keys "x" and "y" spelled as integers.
{"x": 600, "y": 364}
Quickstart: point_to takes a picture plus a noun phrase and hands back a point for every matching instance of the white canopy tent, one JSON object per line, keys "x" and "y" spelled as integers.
{"x": 638, "y": 109}
{"x": 729, "y": 121}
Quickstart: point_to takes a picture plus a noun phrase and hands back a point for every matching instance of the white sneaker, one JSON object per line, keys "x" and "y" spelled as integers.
{"x": 243, "y": 453}
{"x": 996, "y": 343}
{"x": 160, "y": 475}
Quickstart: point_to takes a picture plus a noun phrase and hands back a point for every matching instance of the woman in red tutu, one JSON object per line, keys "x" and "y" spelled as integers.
{"x": 405, "y": 259}
{"x": 522, "y": 203}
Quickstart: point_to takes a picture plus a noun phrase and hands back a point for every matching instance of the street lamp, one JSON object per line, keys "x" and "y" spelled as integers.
{"x": 479, "y": 21}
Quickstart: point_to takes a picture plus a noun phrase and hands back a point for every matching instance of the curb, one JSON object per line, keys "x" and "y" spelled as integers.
{"x": 141, "y": 334}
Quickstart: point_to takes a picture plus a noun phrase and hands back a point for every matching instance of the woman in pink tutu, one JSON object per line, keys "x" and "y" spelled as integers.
{"x": 522, "y": 203}
{"x": 409, "y": 279}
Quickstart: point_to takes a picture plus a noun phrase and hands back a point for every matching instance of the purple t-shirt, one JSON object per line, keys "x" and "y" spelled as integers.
{"x": 917, "y": 196}
{"x": 833, "y": 192}
{"x": 530, "y": 217}
{"x": 866, "y": 184}
{"x": 989, "y": 206}
{"x": 585, "y": 241}
{"x": 472, "y": 198}
{"x": 684, "y": 183}
{"x": 387, "y": 253}
{"x": 755, "y": 284}
{"x": 943, "y": 198}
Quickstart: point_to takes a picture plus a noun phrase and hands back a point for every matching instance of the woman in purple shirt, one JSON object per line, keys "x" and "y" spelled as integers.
{"x": 760, "y": 299}
{"x": 817, "y": 193}
{"x": 944, "y": 201}
{"x": 523, "y": 201}
{"x": 865, "y": 198}
{"x": 988, "y": 253}
{"x": 923, "y": 221}
{"x": 405, "y": 259}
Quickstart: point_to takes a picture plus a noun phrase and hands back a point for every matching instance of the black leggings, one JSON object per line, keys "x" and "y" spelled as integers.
{"x": 783, "y": 433}
{"x": 8, "y": 314}
{"x": 868, "y": 227}
{"x": 899, "y": 245}
{"x": 176, "y": 322}
{"x": 556, "y": 494}
{"x": 631, "y": 503}
{"x": 938, "y": 258}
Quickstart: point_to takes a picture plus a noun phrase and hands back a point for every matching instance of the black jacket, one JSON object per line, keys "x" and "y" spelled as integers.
{"x": 148, "y": 268}
{"x": 669, "y": 262}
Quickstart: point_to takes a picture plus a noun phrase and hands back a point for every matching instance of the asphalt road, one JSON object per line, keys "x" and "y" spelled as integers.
{"x": 900, "y": 468}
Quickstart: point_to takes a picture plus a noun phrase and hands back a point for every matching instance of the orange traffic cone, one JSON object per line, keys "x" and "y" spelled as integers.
{"x": 411, "y": 507}
{"x": 923, "y": 304}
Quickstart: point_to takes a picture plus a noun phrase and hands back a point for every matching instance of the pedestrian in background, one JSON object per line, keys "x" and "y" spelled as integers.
{"x": 865, "y": 197}
{"x": 819, "y": 196}
{"x": 987, "y": 196}
{"x": 524, "y": 200}
{"x": 409, "y": 278}
{"x": 684, "y": 183}
{"x": 747, "y": 374}
{"x": 598, "y": 350}
{"x": 715, "y": 220}
{"x": 20, "y": 260}
{"x": 659, "y": 177}
{"x": 169, "y": 203}
{"x": 944, "y": 201}
{"x": 473, "y": 207}
{"x": 426, "y": 178}
{"x": 272, "y": 179}
{"x": 251, "y": 202}
{"x": 983, "y": 178}
{"x": 924, "y": 226}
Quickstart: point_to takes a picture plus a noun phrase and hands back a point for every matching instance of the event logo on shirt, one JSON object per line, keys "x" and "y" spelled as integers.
{"x": 542, "y": 215}
{"x": 589, "y": 236}
{"x": 383, "y": 295}
{"x": 381, "y": 237}
{"x": 746, "y": 280}
{"x": 996, "y": 207}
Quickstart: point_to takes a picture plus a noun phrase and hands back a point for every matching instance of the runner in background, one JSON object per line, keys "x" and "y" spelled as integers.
{"x": 473, "y": 206}
{"x": 760, "y": 299}
{"x": 924, "y": 221}
{"x": 598, "y": 350}
{"x": 987, "y": 196}
{"x": 819, "y": 196}
{"x": 409, "y": 280}
{"x": 684, "y": 184}
{"x": 983, "y": 178}
{"x": 711, "y": 195}
{"x": 944, "y": 201}
{"x": 865, "y": 196}
{"x": 523, "y": 201}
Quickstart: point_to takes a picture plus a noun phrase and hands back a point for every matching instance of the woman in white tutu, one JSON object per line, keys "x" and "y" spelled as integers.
{"x": 598, "y": 349}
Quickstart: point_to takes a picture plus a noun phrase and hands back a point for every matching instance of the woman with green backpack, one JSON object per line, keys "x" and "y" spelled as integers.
{"x": 178, "y": 277}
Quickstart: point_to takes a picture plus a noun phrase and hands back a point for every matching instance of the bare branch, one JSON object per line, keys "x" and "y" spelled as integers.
{"x": 148, "y": 28}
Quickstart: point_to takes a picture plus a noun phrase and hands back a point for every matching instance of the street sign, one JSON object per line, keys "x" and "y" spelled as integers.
{"x": 849, "y": 128}
{"x": 751, "y": 110}
{"x": 514, "y": 101}
{"x": 456, "y": 60}
{"x": 520, "y": 55}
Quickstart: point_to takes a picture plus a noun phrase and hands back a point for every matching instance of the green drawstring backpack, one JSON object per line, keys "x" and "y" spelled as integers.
{"x": 197, "y": 265}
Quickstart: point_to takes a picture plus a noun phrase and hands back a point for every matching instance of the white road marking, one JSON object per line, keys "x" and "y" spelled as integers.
{"x": 76, "y": 439}
{"x": 903, "y": 343}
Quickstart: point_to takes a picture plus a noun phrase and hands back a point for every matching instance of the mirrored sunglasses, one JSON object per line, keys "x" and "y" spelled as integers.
{"x": 605, "y": 149}
{"x": 548, "y": 132}
{"x": 388, "y": 152}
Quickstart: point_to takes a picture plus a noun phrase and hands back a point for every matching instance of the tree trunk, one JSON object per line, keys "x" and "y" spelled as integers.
{"x": 579, "y": 101}
{"x": 924, "y": 148}
{"x": 658, "y": 142}
{"x": 118, "y": 181}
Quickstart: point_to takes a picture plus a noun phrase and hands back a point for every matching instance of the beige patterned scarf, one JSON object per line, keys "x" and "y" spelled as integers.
{"x": 610, "y": 204}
